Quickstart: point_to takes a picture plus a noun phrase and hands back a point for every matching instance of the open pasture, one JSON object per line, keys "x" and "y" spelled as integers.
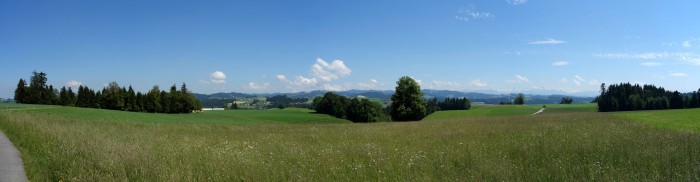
{"x": 495, "y": 143}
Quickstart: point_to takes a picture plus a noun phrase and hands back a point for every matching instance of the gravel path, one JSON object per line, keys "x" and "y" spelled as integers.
{"x": 11, "y": 168}
{"x": 540, "y": 111}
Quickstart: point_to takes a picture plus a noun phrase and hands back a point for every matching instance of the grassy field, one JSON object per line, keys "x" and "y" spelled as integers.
{"x": 680, "y": 119}
{"x": 485, "y": 110}
{"x": 289, "y": 115}
{"x": 492, "y": 143}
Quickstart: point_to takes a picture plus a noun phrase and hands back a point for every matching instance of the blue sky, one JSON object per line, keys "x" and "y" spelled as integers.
{"x": 288, "y": 46}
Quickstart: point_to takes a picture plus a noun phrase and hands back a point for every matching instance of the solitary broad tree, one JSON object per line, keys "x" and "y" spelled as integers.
{"x": 407, "y": 103}
{"x": 566, "y": 100}
{"x": 519, "y": 100}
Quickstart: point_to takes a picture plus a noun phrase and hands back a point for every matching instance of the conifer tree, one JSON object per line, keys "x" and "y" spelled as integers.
{"x": 21, "y": 92}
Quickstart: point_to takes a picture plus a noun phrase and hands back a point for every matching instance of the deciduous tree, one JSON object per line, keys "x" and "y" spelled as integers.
{"x": 407, "y": 102}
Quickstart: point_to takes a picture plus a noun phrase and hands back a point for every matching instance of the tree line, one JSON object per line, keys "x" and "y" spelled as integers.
{"x": 448, "y": 103}
{"x": 407, "y": 104}
{"x": 355, "y": 110}
{"x": 111, "y": 97}
{"x": 285, "y": 101}
{"x": 628, "y": 97}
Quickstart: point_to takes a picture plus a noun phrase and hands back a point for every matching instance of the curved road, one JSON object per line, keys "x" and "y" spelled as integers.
{"x": 11, "y": 168}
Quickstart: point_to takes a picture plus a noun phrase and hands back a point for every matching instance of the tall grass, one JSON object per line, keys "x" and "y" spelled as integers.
{"x": 554, "y": 147}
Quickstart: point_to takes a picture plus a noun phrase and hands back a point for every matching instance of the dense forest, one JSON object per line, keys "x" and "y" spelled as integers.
{"x": 111, "y": 97}
{"x": 628, "y": 97}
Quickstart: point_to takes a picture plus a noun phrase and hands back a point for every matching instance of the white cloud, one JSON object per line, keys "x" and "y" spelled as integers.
{"x": 578, "y": 80}
{"x": 677, "y": 74}
{"x": 73, "y": 83}
{"x": 560, "y": 63}
{"x": 257, "y": 87}
{"x": 547, "y": 42}
{"x": 330, "y": 87}
{"x": 439, "y": 84}
{"x": 647, "y": 55}
{"x": 218, "y": 77}
{"x": 651, "y": 64}
{"x": 471, "y": 13}
{"x": 690, "y": 59}
{"x": 683, "y": 57}
{"x": 521, "y": 78}
{"x": 687, "y": 44}
{"x": 564, "y": 80}
{"x": 321, "y": 71}
{"x": 593, "y": 82}
{"x": 516, "y": 2}
{"x": 443, "y": 84}
{"x": 517, "y": 53}
{"x": 372, "y": 84}
{"x": 281, "y": 78}
{"x": 478, "y": 83}
{"x": 328, "y": 72}
{"x": 301, "y": 80}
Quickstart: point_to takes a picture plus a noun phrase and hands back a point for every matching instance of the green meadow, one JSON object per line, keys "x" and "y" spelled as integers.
{"x": 238, "y": 117}
{"x": 687, "y": 120}
{"x": 492, "y": 143}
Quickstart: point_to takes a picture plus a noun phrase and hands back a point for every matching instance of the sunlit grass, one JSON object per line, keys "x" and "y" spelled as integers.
{"x": 289, "y": 115}
{"x": 675, "y": 119}
{"x": 485, "y": 110}
{"x": 554, "y": 147}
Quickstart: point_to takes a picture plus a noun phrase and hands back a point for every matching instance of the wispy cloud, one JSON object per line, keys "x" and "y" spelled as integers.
{"x": 440, "y": 84}
{"x": 646, "y": 55}
{"x": 578, "y": 80}
{"x": 560, "y": 63}
{"x": 519, "y": 79}
{"x": 677, "y": 74}
{"x": 687, "y": 44}
{"x": 257, "y": 87}
{"x": 331, "y": 87}
{"x": 522, "y": 78}
{"x": 516, "y": 2}
{"x": 73, "y": 83}
{"x": 478, "y": 83}
{"x": 547, "y": 42}
{"x": 372, "y": 84}
{"x": 517, "y": 53}
{"x": 683, "y": 57}
{"x": 651, "y": 64}
{"x": 690, "y": 59}
{"x": 471, "y": 13}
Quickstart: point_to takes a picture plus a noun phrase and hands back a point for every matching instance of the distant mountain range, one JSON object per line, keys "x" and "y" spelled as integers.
{"x": 488, "y": 98}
